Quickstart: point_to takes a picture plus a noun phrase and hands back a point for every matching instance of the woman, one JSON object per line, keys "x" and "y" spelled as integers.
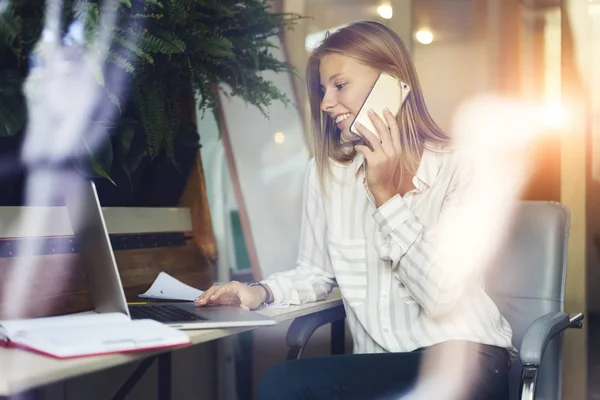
{"x": 371, "y": 209}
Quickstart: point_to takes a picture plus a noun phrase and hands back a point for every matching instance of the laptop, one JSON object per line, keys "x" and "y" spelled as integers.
{"x": 100, "y": 267}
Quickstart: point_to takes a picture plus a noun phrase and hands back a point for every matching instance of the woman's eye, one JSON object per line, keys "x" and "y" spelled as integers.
{"x": 340, "y": 86}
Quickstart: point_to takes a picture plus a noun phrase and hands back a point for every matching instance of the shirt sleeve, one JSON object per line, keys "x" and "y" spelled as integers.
{"x": 417, "y": 252}
{"x": 313, "y": 278}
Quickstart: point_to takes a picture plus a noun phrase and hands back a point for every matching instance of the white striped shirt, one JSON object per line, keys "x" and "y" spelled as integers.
{"x": 396, "y": 297}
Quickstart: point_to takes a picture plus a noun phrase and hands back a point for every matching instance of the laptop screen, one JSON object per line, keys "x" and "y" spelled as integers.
{"x": 95, "y": 251}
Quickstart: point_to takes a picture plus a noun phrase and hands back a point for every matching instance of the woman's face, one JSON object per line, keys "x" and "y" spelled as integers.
{"x": 345, "y": 84}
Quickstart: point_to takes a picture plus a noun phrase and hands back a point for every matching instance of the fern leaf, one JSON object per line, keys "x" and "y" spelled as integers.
{"x": 139, "y": 51}
{"x": 10, "y": 28}
{"x": 153, "y": 3}
{"x": 155, "y": 16}
{"x": 162, "y": 42}
{"x": 121, "y": 62}
{"x": 218, "y": 47}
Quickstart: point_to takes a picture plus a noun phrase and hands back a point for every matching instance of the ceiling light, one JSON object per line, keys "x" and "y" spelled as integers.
{"x": 385, "y": 11}
{"x": 424, "y": 36}
{"x": 279, "y": 137}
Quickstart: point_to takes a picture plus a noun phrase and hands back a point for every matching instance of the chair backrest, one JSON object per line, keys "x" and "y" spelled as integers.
{"x": 529, "y": 281}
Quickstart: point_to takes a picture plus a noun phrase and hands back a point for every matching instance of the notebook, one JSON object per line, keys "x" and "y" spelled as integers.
{"x": 83, "y": 335}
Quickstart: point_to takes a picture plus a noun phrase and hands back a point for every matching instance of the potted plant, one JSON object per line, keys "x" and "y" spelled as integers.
{"x": 170, "y": 51}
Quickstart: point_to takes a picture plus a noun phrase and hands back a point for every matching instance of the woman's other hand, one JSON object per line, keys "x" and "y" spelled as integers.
{"x": 383, "y": 156}
{"x": 233, "y": 293}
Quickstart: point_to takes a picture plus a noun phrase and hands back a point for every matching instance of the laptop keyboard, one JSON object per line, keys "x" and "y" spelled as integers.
{"x": 163, "y": 313}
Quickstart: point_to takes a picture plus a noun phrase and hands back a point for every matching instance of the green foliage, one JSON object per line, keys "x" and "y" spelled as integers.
{"x": 171, "y": 49}
{"x": 10, "y": 28}
{"x": 13, "y": 112}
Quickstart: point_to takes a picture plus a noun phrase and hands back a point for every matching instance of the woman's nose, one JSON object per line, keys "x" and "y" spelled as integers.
{"x": 327, "y": 103}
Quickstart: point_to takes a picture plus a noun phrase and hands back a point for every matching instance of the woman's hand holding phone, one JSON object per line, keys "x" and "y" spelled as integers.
{"x": 382, "y": 157}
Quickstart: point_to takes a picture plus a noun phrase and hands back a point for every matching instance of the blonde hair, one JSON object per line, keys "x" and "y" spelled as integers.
{"x": 377, "y": 46}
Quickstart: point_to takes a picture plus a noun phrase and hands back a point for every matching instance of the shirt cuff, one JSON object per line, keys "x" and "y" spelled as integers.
{"x": 275, "y": 289}
{"x": 391, "y": 214}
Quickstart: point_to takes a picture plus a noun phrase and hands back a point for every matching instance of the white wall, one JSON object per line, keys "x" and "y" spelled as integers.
{"x": 270, "y": 174}
{"x": 449, "y": 74}
{"x": 219, "y": 190}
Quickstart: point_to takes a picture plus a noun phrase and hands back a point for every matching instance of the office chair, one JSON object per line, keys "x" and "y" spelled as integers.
{"x": 527, "y": 283}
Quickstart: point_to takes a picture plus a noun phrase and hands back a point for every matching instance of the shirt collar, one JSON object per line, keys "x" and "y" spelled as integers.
{"x": 430, "y": 165}
{"x": 358, "y": 162}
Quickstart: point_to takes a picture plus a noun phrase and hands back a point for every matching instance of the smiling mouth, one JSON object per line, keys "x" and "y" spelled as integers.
{"x": 342, "y": 117}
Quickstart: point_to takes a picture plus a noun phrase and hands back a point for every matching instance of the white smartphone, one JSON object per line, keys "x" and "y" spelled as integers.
{"x": 387, "y": 91}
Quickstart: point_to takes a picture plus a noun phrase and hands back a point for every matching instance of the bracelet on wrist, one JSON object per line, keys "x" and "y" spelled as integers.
{"x": 268, "y": 297}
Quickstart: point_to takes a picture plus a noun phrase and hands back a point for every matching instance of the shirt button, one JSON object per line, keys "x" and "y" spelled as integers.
{"x": 383, "y": 294}
{"x": 386, "y": 330}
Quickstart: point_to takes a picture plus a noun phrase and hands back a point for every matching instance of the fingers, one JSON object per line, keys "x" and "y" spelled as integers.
{"x": 226, "y": 294}
{"x": 223, "y": 291}
{"x": 203, "y": 298}
{"x": 394, "y": 129}
{"x": 383, "y": 130}
{"x": 369, "y": 136}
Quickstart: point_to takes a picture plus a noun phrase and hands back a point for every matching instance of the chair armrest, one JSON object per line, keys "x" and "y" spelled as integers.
{"x": 303, "y": 327}
{"x": 541, "y": 331}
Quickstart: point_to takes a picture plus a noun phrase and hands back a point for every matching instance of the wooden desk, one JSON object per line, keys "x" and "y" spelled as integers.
{"x": 22, "y": 371}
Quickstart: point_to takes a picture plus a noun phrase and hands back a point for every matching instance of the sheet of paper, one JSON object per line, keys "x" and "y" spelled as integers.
{"x": 168, "y": 288}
